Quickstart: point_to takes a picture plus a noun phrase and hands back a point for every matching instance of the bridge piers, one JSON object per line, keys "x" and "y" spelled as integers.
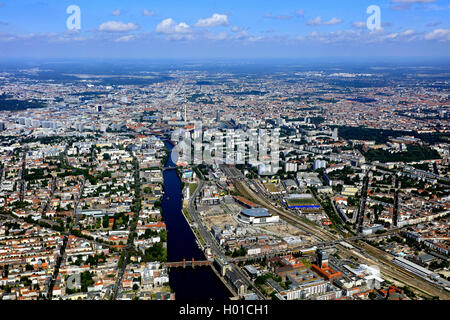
{"x": 191, "y": 263}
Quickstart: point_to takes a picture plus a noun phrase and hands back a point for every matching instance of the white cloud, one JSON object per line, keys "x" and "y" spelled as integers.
{"x": 169, "y": 26}
{"x": 317, "y": 21}
{"x": 334, "y": 21}
{"x": 117, "y": 12}
{"x": 68, "y": 36}
{"x": 50, "y": 37}
{"x": 148, "y": 13}
{"x": 183, "y": 31}
{"x": 174, "y": 31}
{"x": 359, "y": 24}
{"x": 213, "y": 21}
{"x": 126, "y": 38}
{"x": 118, "y": 26}
{"x": 403, "y": 34}
{"x": 219, "y": 36}
{"x": 438, "y": 34}
{"x": 243, "y": 34}
{"x": 361, "y": 36}
{"x": 408, "y": 32}
{"x": 5, "y": 37}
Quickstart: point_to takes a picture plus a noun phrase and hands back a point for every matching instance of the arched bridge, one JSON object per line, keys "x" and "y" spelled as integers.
{"x": 189, "y": 263}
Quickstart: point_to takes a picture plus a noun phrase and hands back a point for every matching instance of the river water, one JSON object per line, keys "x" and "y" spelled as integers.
{"x": 200, "y": 283}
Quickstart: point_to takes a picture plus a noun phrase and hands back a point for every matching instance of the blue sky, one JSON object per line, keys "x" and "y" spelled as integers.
{"x": 224, "y": 29}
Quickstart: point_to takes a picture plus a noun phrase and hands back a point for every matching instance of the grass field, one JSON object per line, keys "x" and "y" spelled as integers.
{"x": 271, "y": 187}
{"x": 302, "y": 202}
{"x": 192, "y": 187}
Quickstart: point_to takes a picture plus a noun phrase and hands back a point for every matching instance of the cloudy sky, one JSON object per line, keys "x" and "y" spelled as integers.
{"x": 224, "y": 29}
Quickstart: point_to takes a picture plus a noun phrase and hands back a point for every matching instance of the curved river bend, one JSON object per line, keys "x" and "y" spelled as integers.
{"x": 200, "y": 283}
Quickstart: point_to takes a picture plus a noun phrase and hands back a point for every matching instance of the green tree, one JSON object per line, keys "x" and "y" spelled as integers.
{"x": 105, "y": 221}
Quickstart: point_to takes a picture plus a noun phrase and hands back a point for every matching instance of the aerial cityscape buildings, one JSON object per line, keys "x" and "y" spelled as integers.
{"x": 349, "y": 210}
{"x": 231, "y": 180}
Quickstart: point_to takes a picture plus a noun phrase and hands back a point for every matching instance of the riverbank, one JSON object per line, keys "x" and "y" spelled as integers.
{"x": 199, "y": 283}
{"x": 202, "y": 241}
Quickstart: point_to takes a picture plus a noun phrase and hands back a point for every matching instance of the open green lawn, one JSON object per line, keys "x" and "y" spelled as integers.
{"x": 192, "y": 187}
{"x": 302, "y": 202}
{"x": 271, "y": 187}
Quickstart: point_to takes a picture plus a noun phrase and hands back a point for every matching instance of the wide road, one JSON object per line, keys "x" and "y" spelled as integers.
{"x": 212, "y": 243}
{"x": 126, "y": 250}
{"x": 362, "y": 206}
{"x": 62, "y": 251}
{"x": 22, "y": 181}
{"x": 205, "y": 234}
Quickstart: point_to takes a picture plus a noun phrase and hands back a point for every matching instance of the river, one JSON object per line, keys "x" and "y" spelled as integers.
{"x": 200, "y": 283}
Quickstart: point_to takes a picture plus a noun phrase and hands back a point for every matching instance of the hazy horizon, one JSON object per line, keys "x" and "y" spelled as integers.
{"x": 229, "y": 30}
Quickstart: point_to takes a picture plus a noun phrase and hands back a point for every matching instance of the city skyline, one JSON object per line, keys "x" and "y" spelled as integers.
{"x": 222, "y": 152}
{"x": 205, "y": 29}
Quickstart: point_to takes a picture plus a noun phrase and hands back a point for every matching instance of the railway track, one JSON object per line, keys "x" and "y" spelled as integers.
{"x": 287, "y": 216}
{"x": 387, "y": 267}
{"x": 396, "y": 273}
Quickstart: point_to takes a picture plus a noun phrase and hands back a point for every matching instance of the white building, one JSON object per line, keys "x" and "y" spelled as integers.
{"x": 257, "y": 216}
{"x": 318, "y": 164}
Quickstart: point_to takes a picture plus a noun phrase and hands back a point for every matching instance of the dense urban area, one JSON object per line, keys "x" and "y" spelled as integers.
{"x": 356, "y": 207}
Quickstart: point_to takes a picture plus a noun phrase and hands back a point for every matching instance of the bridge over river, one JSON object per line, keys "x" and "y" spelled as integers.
{"x": 189, "y": 263}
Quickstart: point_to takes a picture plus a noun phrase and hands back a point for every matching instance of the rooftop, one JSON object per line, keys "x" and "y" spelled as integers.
{"x": 256, "y": 212}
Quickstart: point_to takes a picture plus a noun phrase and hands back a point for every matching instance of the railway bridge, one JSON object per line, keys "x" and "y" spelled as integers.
{"x": 187, "y": 263}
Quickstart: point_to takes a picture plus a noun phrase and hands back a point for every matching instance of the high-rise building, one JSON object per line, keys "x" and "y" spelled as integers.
{"x": 318, "y": 164}
{"x": 290, "y": 166}
{"x": 322, "y": 258}
{"x": 218, "y": 115}
{"x": 335, "y": 134}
